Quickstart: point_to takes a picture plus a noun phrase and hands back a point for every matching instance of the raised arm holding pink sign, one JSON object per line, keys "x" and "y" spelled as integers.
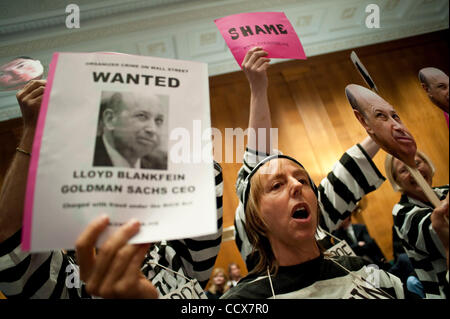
{"x": 271, "y": 31}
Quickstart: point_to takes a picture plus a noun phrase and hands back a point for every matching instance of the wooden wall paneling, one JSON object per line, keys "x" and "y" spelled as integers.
{"x": 330, "y": 93}
{"x": 293, "y": 138}
{"x": 323, "y": 140}
{"x": 229, "y": 116}
{"x": 346, "y": 125}
{"x": 229, "y": 109}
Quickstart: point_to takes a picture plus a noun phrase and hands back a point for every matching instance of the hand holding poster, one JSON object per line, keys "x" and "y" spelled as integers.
{"x": 102, "y": 145}
{"x": 271, "y": 31}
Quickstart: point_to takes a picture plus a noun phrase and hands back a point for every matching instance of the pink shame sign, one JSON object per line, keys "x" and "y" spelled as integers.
{"x": 271, "y": 31}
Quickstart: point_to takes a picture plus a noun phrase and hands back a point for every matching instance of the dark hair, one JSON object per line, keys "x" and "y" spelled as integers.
{"x": 353, "y": 102}
{"x": 113, "y": 103}
{"x": 423, "y": 78}
{"x": 351, "y": 99}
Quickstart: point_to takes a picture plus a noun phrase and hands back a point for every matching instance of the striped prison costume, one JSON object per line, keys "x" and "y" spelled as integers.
{"x": 321, "y": 278}
{"x": 412, "y": 222}
{"x": 52, "y": 274}
{"x": 352, "y": 177}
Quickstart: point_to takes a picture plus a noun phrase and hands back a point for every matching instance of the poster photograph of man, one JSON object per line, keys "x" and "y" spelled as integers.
{"x": 132, "y": 130}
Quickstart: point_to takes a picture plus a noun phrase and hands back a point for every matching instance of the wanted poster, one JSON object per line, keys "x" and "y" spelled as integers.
{"x": 122, "y": 135}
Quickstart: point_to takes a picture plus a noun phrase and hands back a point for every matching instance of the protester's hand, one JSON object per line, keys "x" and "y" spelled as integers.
{"x": 439, "y": 222}
{"x": 255, "y": 66}
{"x": 30, "y": 98}
{"x": 115, "y": 272}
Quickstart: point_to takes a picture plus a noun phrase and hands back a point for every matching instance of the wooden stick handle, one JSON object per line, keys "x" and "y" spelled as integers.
{"x": 432, "y": 197}
{"x": 428, "y": 191}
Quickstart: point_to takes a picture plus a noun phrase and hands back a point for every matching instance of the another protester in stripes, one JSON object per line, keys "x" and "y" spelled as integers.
{"x": 413, "y": 224}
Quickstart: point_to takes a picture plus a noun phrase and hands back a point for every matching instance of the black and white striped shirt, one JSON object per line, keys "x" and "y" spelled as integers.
{"x": 54, "y": 274}
{"x": 321, "y": 278}
{"x": 412, "y": 222}
{"x": 352, "y": 177}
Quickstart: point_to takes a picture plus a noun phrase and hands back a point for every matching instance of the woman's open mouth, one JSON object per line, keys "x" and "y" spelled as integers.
{"x": 300, "y": 212}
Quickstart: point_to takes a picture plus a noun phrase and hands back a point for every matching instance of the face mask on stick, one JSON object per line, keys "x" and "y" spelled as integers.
{"x": 395, "y": 139}
{"x": 16, "y": 73}
{"x": 383, "y": 124}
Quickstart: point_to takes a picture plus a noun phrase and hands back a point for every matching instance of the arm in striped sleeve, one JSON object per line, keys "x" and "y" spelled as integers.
{"x": 414, "y": 225}
{"x": 352, "y": 177}
{"x": 199, "y": 254}
{"x": 49, "y": 275}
